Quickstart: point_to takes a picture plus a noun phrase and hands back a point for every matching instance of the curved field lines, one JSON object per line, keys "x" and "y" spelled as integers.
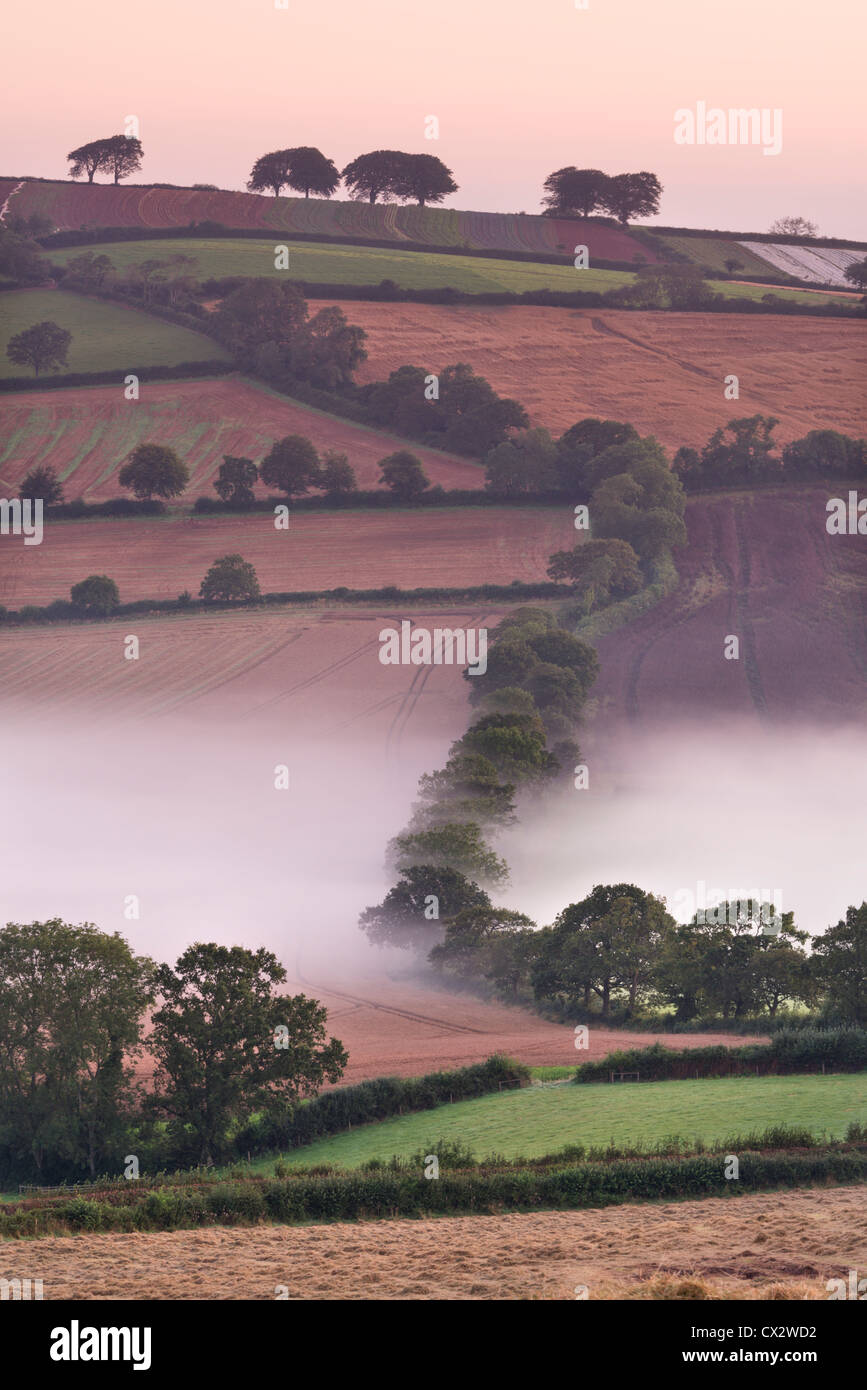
{"x": 823, "y": 265}
{"x": 765, "y": 570}
{"x": 86, "y": 433}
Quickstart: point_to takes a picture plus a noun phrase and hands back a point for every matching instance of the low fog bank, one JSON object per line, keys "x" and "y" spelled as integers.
{"x": 189, "y": 822}
{"x": 737, "y": 806}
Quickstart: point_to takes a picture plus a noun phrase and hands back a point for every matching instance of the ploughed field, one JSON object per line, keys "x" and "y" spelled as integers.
{"x": 757, "y": 1246}
{"x": 161, "y": 557}
{"x": 87, "y": 433}
{"x": 662, "y": 372}
{"x": 762, "y": 567}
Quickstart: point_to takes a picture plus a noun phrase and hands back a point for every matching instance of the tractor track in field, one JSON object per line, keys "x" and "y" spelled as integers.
{"x": 413, "y": 1017}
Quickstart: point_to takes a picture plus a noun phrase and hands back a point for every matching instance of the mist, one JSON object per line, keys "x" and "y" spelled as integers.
{"x": 187, "y": 820}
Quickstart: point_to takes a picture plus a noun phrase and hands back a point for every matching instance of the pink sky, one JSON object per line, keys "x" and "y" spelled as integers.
{"x": 519, "y": 89}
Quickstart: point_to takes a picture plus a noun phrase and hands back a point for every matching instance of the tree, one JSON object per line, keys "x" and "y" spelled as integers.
{"x": 668, "y": 286}
{"x": 474, "y": 938}
{"x": 403, "y": 473}
{"x": 413, "y": 911}
{"x": 632, "y": 195}
{"x": 570, "y": 191}
{"x": 235, "y": 481}
{"x": 310, "y": 172}
{"x": 825, "y": 453}
{"x": 336, "y": 476}
{"x": 88, "y": 271}
{"x": 584, "y": 441}
{"x": 856, "y": 273}
{"x": 840, "y": 965}
{"x": 793, "y": 226}
{"x": 230, "y": 578}
{"x": 226, "y": 1046}
{"x": 154, "y": 469}
{"x": 423, "y": 177}
{"x": 20, "y": 260}
{"x": 97, "y": 595}
{"x": 270, "y": 171}
{"x": 514, "y": 743}
{"x": 292, "y": 465}
{"x": 600, "y": 571}
{"x": 46, "y": 344}
{"x": 375, "y": 175}
{"x": 525, "y": 463}
{"x": 742, "y": 451}
{"x": 454, "y": 844}
{"x": 260, "y": 311}
{"x": 42, "y": 481}
{"x": 732, "y": 264}
{"x": 330, "y": 351}
{"x": 72, "y": 1000}
{"x": 88, "y": 159}
{"x": 123, "y": 156}
{"x": 467, "y": 788}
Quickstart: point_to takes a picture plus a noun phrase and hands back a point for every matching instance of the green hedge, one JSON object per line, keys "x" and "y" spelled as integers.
{"x": 790, "y": 1050}
{"x": 353, "y": 1196}
{"x": 212, "y": 367}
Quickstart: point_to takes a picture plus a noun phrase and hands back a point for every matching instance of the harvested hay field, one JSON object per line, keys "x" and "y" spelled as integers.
{"x": 762, "y": 1246}
{"x": 662, "y": 372}
{"x": 762, "y": 566}
{"x": 86, "y": 434}
{"x": 161, "y": 557}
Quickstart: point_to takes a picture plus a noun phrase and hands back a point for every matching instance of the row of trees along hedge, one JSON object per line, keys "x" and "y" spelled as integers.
{"x": 788, "y": 1051}
{"x": 619, "y": 953}
{"x": 745, "y": 451}
{"x": 353, "y": 1196}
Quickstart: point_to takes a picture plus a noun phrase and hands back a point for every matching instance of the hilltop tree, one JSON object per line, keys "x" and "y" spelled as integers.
{"x": 235, "y": 481}
{"x": 375, "y": 175}
{"x": 292, "y": 465}
{"x": 270, "y": 171}
{"x": 123, "y": 156}
{"x": 226, "y": 1046}
{"x": 230, "y": 578}
{"x": 42, "y": 481}
{"x": 632, "y": 195}
{"x": 97, "y": 594}
{"x": 46, "y": 344}
{"x": 310, "y": 172}
{"x": 402, "y": 472}
{"x": 425, "y": 178}
{"x": 793, "y": 226}
{"x": 154, "y": 470}
{"x": 88, "y": 159}
{"x": 571, "y": 191}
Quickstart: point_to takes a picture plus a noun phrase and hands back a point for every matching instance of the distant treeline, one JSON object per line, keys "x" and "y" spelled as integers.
{"x": 789, "y": 1051}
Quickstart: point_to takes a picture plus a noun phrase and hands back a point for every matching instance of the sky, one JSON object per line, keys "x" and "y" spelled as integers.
{"x": 519, "y": 89}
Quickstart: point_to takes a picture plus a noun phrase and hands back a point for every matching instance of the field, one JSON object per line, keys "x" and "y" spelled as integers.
{"x": 160, "y": 557}
{"x": 713, "y": 252}
{"x": 75, "y": 206}
{"x": 823, "y": 264}
{"x": 351, "y": 265}
{"x": 86, "y": 433}
{"x": 758, "y": 1246}
{"x": 539, "y": 1120}
{"x": 104, "y": 336}
{"x": 662, "y": 372}
{"x": 765, "y": 567}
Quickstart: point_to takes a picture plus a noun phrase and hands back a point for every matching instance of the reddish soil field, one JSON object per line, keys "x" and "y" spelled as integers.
{"x": 159, "y": 558}
{"x": 73, "y": 205}
{"x": 769, "y": 1245}
{"x": 663, "y": 373}
{"x": 86, "y": 434}
{"x": 765, "y": 568}
{"x": 315, "y": 670}
{"x": 406, "y": 1028}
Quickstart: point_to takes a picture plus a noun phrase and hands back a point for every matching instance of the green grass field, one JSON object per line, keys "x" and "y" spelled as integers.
{"x": 713, "y": 252}
{"x": 542, "y": 1119}
{"x": 104, "y": 336}
{"x": 319, "y": 262}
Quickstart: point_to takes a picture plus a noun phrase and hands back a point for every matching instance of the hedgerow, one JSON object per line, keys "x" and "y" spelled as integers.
{"x": 790, "y": 1050}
